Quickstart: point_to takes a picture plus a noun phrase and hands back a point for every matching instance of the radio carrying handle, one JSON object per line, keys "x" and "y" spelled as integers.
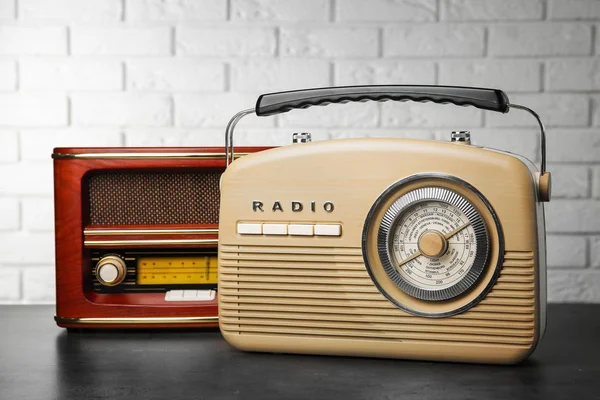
{"x": 280, "y": 102}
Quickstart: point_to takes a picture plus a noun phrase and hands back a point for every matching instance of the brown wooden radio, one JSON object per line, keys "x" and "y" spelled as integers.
{"x": 136, "y": 236}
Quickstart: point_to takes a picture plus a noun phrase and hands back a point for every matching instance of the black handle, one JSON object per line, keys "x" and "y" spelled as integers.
{"x": 487, "y": 99}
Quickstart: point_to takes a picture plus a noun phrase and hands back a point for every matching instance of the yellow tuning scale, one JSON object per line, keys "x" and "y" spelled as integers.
{"x": 177, "y": 270}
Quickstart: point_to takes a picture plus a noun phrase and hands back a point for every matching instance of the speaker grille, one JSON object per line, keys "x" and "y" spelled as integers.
{"x": 154, "y": 197}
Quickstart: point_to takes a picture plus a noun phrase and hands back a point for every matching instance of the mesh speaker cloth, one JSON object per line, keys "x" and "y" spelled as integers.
{"x": 154, "y": 197}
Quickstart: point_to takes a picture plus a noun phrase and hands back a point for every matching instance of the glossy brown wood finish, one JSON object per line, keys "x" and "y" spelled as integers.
{"x": 74, "y": 296}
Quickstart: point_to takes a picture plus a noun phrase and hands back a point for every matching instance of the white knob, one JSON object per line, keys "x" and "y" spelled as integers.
{"x": 111, "y": 270}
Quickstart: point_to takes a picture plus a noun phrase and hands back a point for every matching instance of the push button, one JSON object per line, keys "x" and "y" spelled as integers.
{"x": 249, "y": 229}
{"x": 275, "y": 229}
{"x": 300, "y": 229}
{"x": 328, "y": 230}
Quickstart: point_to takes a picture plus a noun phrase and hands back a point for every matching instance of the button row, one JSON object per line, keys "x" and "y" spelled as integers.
{"x": 246, "y": 228}
{"x": 190, "y": 295}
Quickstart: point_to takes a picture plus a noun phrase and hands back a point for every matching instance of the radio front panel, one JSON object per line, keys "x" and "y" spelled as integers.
{"x": 136, "y": 236}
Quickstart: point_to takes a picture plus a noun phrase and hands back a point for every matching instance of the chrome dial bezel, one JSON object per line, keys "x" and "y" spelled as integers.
{"x": 395, "y": 213}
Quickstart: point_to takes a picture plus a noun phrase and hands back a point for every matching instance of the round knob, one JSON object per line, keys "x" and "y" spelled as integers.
{"x": 111, "y": 270}
{"x": 432, "y": 244}
{"x": 545, "y": 187}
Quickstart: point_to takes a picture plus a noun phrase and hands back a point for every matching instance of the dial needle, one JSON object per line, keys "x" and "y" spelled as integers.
{"x": 447, "y": 236}
{"x": 454, "y": 232}
{"x": 409, "y": 259}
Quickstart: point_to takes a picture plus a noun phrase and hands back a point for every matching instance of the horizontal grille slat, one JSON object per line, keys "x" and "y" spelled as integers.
{"x": 231, "y": 326}
{"x": 291, "y": 250}
{"x": 327, "y": 293}
{"x": 429, "y": 342}
{"x": 385, "y": 326}
{"x": 350, "y": 302}
{"x": 225, "y": 284}
{"x": 389, "y": 319}
{"x": 312, "y": 258}
{"x": 489, "y": 313}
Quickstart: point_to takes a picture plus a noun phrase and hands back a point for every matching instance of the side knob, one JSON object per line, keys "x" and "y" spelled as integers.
{"x": 111, "y": 270}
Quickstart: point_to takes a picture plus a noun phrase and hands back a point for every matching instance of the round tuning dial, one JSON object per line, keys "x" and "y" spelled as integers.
{"x": 434, "y": 243}
{"x": 111, "y": 270}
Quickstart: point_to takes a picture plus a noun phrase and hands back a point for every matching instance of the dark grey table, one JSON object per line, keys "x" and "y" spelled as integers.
{"x": 41, "y": 361}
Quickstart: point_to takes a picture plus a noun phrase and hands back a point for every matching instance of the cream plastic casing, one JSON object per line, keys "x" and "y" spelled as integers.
{"x": 312, "y": 294}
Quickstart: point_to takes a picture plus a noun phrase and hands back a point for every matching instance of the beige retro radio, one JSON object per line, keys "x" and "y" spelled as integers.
{"x": 384, "y": 247}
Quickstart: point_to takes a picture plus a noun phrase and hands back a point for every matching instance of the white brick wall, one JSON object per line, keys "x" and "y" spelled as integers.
{"x": 172, "y": 72}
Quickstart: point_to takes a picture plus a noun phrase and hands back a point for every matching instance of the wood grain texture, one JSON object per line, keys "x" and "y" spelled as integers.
{"x": 74, "y": 295}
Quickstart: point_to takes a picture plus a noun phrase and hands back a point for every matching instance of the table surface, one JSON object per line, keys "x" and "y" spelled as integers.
{"x": 41, "y": 361}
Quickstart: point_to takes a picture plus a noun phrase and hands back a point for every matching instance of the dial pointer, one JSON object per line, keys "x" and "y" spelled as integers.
{"x": 454, "y": 232}
{"x": 409, "y": 259}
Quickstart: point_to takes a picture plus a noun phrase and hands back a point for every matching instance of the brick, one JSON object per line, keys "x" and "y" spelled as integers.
{"x": 575, "y": 146}
{"x": 9, "y": 214}
{"x": 582, "y": 74}
{"x": 574, "y": 9}
{"x": 433, "y": 40}
{"x": 224, "y": 42}
{"x": 163, "y": 137}
{"x": 329, "y": 42}
{"x": 574, "y": 286}
{"x": 523, "y": 142}
{"x": 596, "y": 110}
{"x": 566, "y": 251}
{"x": 280, "y": 11}
{"x": 595, "y": 252}
{"x": 38, "y": 144}
{"x": 509, "y": 75}
{"x": 429, "y": 115}
{"x": 476, "y": 10}
{"x": 27, "y": 247}
{"x": 9, "y": 146}
{"x": 10, "y": 284}
{"x": 175, "y": 75}
{"x": 27, "y": 178}
{"x": 382, "y": 72}
{"x": 385, "y": 10}
{"x": 554, "y": 110}
{"x": 71, "y": 75}
{"x": 8, "y": 75}
{"x": 33, "y": 110}
{"x": 278, "y": 75}
{"x": 570, "y": 181}
{"x": 38, "y": 214}
{"x": 70, "y": 10}
{"x": 539, "y": 39}
{"x": 573, "y": 216}
{"x": 383, "y": 133}
{"x": 119, "y": 109}
{"x": 176, "y": 10}
{"x": 21, "y": 40}
{"x": 7, "y": 9}
{"x": 215, "y": 110}
{"x": 126, "y": 41}
{"x": 333, "y": 116}
{"x": 596, "y": 182}
{"x": 39, "y": 285}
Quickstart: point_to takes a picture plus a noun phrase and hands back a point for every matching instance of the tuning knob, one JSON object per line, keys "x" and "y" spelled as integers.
{"x": 111, "y": 270}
